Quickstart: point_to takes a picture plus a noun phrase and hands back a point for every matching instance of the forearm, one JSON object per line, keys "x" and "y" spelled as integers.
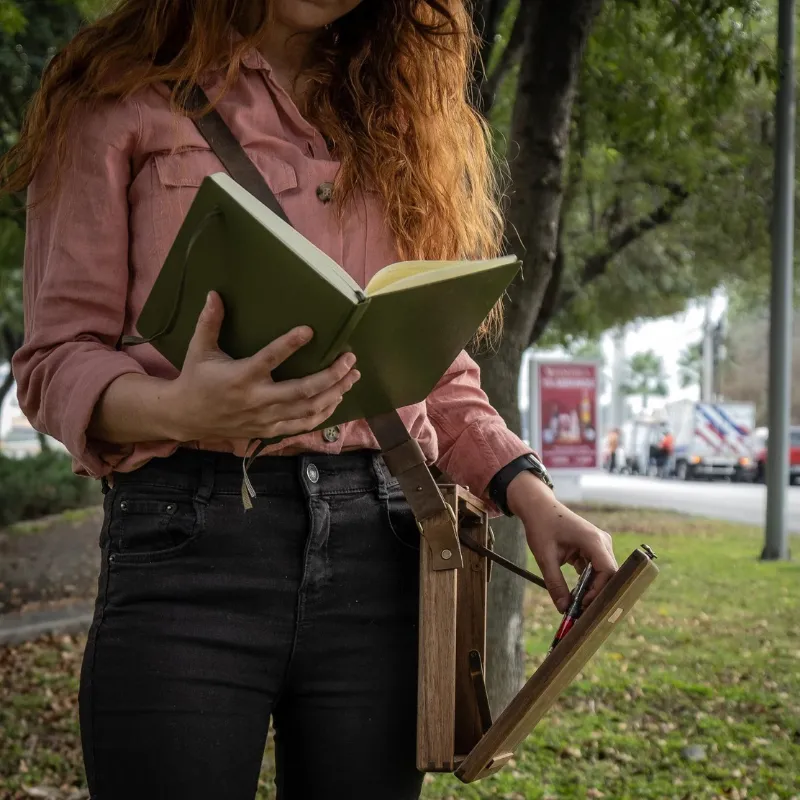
{"x": 474, "y": 441}
{"x": 138, "y": 408}
{"x": 529, "y": 496}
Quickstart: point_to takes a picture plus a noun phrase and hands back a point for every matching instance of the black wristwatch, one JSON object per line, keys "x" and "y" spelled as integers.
{"x": 498, "y": 486}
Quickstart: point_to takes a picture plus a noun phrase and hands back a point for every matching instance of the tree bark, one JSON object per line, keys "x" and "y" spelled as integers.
{"x": 505, "y": 650}
{"x": 554, "y": 41}
{"x": 5, "y": 387}
{"x": 509, "y": 57}
{"x": 486, "y": 17}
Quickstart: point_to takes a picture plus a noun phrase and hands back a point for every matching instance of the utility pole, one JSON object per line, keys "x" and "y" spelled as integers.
{"x": 720, "y": 354}
{"x": 707, "y": 387}
{"x": 776, "y": 544}
{"x": 618, "y": 378}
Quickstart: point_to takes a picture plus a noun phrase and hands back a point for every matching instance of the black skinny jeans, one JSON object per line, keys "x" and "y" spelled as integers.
{"x": 210, "y": 620}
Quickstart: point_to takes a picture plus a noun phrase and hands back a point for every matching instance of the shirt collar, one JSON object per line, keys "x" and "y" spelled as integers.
{"x": 253, "y": 59}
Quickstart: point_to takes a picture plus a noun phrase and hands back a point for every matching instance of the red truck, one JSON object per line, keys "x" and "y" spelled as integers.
{"x": 794, "y": 457}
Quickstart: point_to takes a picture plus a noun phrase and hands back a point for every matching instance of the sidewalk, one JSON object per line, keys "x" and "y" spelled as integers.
{"x": 26, "y": 626}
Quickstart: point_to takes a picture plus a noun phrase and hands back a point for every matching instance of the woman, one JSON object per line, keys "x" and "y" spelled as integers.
{"x": 209, "y": 621}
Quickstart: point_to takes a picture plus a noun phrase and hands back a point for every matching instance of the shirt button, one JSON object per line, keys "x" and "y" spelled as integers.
{"x": 325, "y": 192}
{"x": 312, "y": 473}
{"x": 331, "y": 435}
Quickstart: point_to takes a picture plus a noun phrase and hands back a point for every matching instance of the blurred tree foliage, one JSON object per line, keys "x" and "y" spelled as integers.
{"x": 31, "y": 31}
{"x": 646, "y": 377}
{"x": 669, "y": 180}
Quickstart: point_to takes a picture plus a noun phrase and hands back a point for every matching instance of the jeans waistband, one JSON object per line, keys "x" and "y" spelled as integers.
{"x": 204, "y": 472}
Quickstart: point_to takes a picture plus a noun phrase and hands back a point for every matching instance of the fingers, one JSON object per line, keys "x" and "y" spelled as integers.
{"x": 601, "y": 554}
{"x": 312, "y": 386}
{"x": 554, "y": 579}
{"x": 312, "y": 407}
{"x": 293, "y": 427}
{"x": 206, "y": 333}
{"x": 579, "y": 564}
{"x": 278, "y": 351}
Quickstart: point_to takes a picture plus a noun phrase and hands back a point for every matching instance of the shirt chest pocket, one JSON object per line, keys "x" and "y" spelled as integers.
{"x": 178, "y": 176}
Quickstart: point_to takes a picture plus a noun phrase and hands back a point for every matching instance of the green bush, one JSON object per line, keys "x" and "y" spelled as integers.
{"x": 39, "y": 485}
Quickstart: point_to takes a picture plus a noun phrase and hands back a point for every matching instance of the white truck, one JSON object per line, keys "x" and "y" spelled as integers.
{"x": 712, "y": 440}
{"x": 637, "y": 437}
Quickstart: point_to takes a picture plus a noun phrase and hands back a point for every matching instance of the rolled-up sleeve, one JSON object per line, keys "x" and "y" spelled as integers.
{"x": 75, "y": 284}
{"x": 474, "y": 441}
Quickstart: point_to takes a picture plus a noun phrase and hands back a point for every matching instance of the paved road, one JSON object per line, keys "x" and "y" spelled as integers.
{"x": 728, "y": 501}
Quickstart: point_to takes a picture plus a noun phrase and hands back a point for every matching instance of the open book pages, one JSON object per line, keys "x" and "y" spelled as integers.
{"x": 408, "y": 274}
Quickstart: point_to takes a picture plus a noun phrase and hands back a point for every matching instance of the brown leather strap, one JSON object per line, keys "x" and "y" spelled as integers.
{"x": 404, "y": 457}
{"x": 226, "y": 147}
{"x": 406, "y": 461}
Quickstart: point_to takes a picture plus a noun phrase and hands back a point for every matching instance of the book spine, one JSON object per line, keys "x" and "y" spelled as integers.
{"x": 340, "y": 342}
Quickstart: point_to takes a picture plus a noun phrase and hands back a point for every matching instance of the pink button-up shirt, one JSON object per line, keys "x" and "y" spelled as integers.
{"x": 93, "y": 251}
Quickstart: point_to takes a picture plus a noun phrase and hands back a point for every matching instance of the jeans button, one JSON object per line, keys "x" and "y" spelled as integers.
{"x": 331, "y": 435}
{"x": 312, "y": 473}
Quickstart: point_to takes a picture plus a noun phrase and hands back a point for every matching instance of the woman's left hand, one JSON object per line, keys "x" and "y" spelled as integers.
{"x": 557, "y": 536}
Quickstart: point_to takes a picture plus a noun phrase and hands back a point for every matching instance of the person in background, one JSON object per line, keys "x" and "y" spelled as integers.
{"x": 661, "y": 453}
{"x": 612, "y": 447}
{"x": 668, "y": 451}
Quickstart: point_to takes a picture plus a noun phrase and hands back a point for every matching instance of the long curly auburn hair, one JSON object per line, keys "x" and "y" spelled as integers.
{"x": 388, "y": 84}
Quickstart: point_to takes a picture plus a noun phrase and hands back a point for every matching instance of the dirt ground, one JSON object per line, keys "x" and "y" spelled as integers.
{"x": 52, "y": 559}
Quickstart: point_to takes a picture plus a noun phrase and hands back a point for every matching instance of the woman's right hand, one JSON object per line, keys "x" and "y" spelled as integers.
{"x": 218, "y": 397}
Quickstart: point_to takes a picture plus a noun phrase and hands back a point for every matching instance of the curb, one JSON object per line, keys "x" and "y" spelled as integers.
{"x": 16, "y": 628}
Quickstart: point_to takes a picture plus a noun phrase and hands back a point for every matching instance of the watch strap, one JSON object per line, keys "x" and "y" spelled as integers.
{"x": 498, "y": 486}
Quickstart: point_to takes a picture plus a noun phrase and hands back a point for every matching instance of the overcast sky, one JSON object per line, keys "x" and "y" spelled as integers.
{"x": 668, "y": 337}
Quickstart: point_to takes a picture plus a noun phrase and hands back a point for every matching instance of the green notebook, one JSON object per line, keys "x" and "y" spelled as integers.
{"x": 406, "y": 327}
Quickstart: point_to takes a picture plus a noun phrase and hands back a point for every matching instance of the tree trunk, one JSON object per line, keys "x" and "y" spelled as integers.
{"x": 505, "y": 653}
{"x": 554, "y": 44}
{"x": 5, "y": 387}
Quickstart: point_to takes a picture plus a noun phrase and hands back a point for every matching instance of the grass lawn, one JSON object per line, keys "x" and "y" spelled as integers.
{"x": 698, "y": 696}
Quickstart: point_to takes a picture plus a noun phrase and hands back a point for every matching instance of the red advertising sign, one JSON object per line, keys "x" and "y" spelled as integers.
{"x": 567, "y": 395}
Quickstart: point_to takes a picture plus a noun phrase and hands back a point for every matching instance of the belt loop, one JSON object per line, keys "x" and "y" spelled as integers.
{"x": 208, "y": 471}
{"x": 380, "y": 475}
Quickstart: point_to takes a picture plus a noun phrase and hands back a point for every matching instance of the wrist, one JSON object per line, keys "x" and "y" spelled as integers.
{"x": 527, "y": 494}
{"x": 500, "y": 483}
{"x": 174, "y": 419}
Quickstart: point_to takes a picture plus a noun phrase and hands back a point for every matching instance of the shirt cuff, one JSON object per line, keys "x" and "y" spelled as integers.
{"x": 93, "y": 458}
{"x": 482, "y": 450}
